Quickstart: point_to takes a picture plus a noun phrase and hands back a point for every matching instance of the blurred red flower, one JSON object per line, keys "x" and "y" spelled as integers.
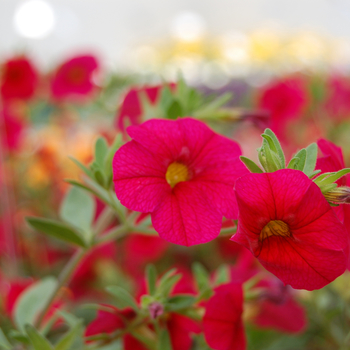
{"x": 74, "y": 77}
{"x": 11, "y": 129}
{"x": 222, "y": 322}
{"x": 19, "y": 79}
{"x": 285, "y": 99}
{"x": 131, "y": 109}
{"x": 338, "y": 99}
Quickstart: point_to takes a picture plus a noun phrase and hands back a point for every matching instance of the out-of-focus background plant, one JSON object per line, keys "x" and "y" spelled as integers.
{"x": 72, "y": 105}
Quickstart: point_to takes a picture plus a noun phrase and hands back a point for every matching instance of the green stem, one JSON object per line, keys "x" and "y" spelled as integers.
{"x": 228, "y": 231}
{"x": 63, "y": 278}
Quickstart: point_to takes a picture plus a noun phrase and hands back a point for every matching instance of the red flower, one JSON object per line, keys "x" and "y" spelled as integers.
{"x": 338, "y": 99}
{"x": 131, "y": 108}
{"x": 285, "y": 99}
{"x": 275, "y": 304}
{"x": 222, "y": 322}
{"x": 183, "y": 174}
{"x": 286, "y": 222}
{"x": 109, "y": 322}
{"x": 19, "y": 79}
{"x": 74, "y": 77}
{"x": 11, "y": 128}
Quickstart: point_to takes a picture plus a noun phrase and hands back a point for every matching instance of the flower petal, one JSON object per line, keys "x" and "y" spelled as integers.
{"x": 139, "y": 178}
{"x": 186, "y": 217}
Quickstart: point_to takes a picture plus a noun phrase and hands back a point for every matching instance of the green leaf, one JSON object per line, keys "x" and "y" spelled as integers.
{"x": 252, "y": 166}
{"x": 201, "y": 276}
{"x": 66, "y": 342}
{"x": 69, "y": 318}
{"x": 101, "y": 150}
{"x": 78, "y": 209}
{"x": 39, "y": 342}
{"x": 123, "y": 298}
{"x": 335, "y": 176}
{"x": 18, "y": 336}
{"x": 302, "y": 159}
{"x": 167, "y": 285}
{"x": 98, "y": 175}
{"x": 270, "y": 142}
{"x": 117, "y": 143}
{"x": 174, "y": 111}
{"x": 4, "y": 343}
{"x": 314, "y": 173}
{"x": 278, "y": 147}
{"x": 218, "y": 102}
{"x": 32, "y": 301}
{"x": 311, "y": 156}
{"x": 77, "y": 184}
{"x": 327, "y": 187}
{"x": 222, "y": 275}
{"x": 164, "y": 340}
{"x": 166, "y": 98}
{"x": 293, "y": 163}
{"x": 151, "y": 275}
{"x": 179, "y": 302}
{"x": 86, "y": 170}
{"x": 56, "y": 229}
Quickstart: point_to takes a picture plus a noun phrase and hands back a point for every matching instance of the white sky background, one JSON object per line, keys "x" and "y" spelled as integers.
{"x": 110, "y": 27}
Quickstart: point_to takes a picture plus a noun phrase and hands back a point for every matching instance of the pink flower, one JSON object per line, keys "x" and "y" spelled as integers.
{"x": 286, "y": 222}
{"x": 285, "y": 99}
{"x": 222, "y": 322}
{"x": 19, "y": 79}
{"x": 74, "y": 77}
{"x": 183, "y": 174}
{"x": 131, "y": 111}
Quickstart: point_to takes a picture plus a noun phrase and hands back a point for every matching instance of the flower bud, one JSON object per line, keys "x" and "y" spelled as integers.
{"x": 155, "y": 309}
{"x": 339, "y": 195}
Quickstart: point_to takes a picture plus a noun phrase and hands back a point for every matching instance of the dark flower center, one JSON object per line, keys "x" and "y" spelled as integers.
{"x": 275, "y": 228}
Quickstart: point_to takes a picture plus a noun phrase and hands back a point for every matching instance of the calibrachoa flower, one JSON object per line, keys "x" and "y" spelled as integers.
{"x": 183, "y": 174}
{"x": 285, "y": 99}
{"x": 338, "y": 99}
{"x": 19, "y": 79}
{"x": 131, "y": 108}
{"x": 11, "y": 129}
{"x": 286, "y": 222}
{"x": 74, "y": 77}
{"x": 222, "y": 322}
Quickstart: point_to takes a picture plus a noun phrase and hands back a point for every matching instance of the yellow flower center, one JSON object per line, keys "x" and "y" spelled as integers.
{"x": 275, "y": 228}
{"x": 176, "y": 172}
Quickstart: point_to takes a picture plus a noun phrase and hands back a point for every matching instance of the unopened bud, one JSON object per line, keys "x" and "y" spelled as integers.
{"x": 156, "y": 309}
{"x": 339, "y": 195}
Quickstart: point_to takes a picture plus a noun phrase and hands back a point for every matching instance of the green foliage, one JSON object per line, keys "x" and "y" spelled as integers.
{"x": 78, "y": 209}
{"x": 151, "y": 278}
{"x": 57, "y": 229}
{"x": 164, "y": 340}
{"x": 123, "y": 298}
{"x": 68, "y": 340}
{"x": 38, "y": 341}
{"x": 4, "y": 343}
{"x": 32, "y": 301}
{"x": 252, "y": 166}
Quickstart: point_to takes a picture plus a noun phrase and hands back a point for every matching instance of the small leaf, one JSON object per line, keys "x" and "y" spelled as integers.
{"x": 123, "y": 298}
{"x": 98, "y": 175}
{"x": 69, "y": 318}
{"x": 39, "y": 342}
{"x": 88, "y": 189}
{"x": 302, "y": 159}
{"x": 269, "y": 142}
{"x": 78, "y": 209}
{"x": 335, "y": 176}
{"x": 328, "y": 187}
{"x": 278, "y": 147}
{"x": 222, "y": 275}
{"x": 179, "y": 302}
{"x": 311, "y": 157}
{"x": 32, "y": 301}
{"x": 66, "y": 342}
{"x": 166, "y": 98}
{"x": 293, "y": 163}
{"x": 314, "y": 173}
{"x": 18, "y": 336}
{"x": 252, "y": 166}
{"x": 101, "y": 150}
{"x": 151, "y": 274}
{"x": 164, "y": 341}
{"x": 168, "y": 284}
{"x": 56, "y": 229}
{"x": 86, "y": 170}
{"x": 201, "y": 276}
{"x": 174, "y": 111}
{"x": 4, "y": 343}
